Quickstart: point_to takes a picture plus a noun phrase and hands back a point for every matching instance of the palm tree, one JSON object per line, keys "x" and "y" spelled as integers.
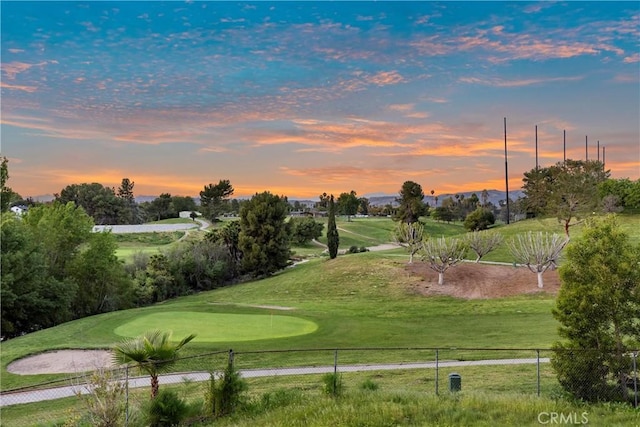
{"x": 153, "y": 352}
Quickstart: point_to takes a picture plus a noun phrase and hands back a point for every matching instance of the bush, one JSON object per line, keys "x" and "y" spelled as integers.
{"x": 369, "y": 384}
{"x": 225, "y": 394}
{"x": 167, "y": 409}
{"x": 333, "y": 385}
{"x": 480, "y": 219}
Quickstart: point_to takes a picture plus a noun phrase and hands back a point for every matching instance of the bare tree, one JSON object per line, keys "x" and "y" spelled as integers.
{"x": 538, "y": 251}
{"x": 410, "y": 236}
{"x": 483, "y": 242}
{"x": 440, "y": 254}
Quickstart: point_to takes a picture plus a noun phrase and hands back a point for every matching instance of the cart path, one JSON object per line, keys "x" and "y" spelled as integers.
{"x": 21, "y": 397}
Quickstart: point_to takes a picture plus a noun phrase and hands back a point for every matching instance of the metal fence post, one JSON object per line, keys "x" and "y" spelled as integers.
{"x": 635, "y": 378}
{"x": 126, "y": 396}
{"x": 231, "y": 357}
{"x": 436, "y": 371}
{"x": 538, "y": 369}
{"x": 335, "y": 371}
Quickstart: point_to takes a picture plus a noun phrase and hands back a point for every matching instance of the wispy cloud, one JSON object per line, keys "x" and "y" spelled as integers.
{"x": 518, "y": 83}
{"x": 24, "y": 88}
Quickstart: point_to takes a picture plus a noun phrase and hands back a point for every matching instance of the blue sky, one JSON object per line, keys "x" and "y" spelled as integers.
{"x": 301, "y": 98}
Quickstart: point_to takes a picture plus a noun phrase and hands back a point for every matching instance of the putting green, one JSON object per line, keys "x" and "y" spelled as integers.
{"x": 216, "y": 327}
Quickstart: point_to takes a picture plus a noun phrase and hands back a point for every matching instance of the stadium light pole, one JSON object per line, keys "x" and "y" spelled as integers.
{"x": 506, "y": 169}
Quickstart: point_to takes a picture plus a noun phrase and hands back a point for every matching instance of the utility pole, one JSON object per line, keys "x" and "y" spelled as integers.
{"x": 506, "y": 169}
{"x": 536, "y": 147}
{"x": 586, "y": 148}
{"x": 564, "y": 157}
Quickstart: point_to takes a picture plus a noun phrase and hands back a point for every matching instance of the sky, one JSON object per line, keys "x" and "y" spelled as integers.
{"x": 302, "y": 98}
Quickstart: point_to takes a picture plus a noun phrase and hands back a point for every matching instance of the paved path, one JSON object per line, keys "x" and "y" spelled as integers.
{"x": 7, "y": 399}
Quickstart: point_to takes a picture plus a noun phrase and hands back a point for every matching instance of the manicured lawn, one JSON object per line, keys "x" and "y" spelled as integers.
{"x": 218, "y": 327}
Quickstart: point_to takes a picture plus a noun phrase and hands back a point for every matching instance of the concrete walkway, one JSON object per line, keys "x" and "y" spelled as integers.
{"x": 17, "y": 398}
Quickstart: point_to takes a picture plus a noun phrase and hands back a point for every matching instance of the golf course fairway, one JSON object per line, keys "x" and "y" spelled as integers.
{"x": 218, "y": 327}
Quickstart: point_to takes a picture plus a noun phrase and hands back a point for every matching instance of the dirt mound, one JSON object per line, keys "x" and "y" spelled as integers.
{"x": 478, "y": 281}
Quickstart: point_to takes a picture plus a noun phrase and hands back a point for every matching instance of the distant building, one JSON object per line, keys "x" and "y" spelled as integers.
{"x": 19, "y": 209}
{"x": 187, "y": 214}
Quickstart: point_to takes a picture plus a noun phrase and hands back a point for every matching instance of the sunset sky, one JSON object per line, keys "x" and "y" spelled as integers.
{"x": 301, "y": 98}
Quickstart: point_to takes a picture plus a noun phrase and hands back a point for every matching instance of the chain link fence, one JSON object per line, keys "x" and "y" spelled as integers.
{"x": 427, "y": 370}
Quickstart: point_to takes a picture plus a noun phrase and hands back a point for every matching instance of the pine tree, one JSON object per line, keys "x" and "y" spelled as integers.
{"x": 333, "y": 239}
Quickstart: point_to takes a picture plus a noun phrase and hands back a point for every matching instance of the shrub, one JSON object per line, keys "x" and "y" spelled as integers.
{"x": 333, "y": 385}
{"x": 225, "y": 394}
{"x": 105, "y": 402}
{"x": 369, "y": 384}
{"x": 480, "y": 219}
{"x": 167, "y": 409}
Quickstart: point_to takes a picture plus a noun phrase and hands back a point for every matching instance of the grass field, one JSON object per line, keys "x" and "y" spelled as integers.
{"x": 218, "y": 327}
{"x": 358, "y": 300}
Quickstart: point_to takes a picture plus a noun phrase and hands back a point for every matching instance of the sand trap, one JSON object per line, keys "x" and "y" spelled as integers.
{"x": 62, "y": 361}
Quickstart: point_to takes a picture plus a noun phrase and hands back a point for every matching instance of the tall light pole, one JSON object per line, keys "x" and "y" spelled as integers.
{"x": 536, "y": 147}
{"x": 506, "y": 169}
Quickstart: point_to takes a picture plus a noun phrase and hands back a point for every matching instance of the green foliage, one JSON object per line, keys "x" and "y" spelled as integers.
{"x": 303, "y": 230}
{"x": 625, "y": 191}
{"x": 60, "y": 229}
{"x": 479, "y": 220}
{"x": 567, "y": 190}
{"x": 369, "y": 385}
{"x": 412, "y": 205}
{"x": 264, "y": 235}
{"x": 153, "y": 352}
{"x": 98, "y": 201}
{"x": 332, "y": 384}
{"x": 7, "y": 195}
{"x": 356, "y": 250}
{"x": 167, "y": 410}
{"x": 225, "y": 394}
{"x": 31, "y": 298}
{"x": 103, "y": 284}
{"x": 348, "y": 204}
{"x": 159, "y": 208}
{"x": 443, "y": 213}
{"x": 333, "y": 238}
{"x": 214, "y": 198}
{"x": 598, "y": 307}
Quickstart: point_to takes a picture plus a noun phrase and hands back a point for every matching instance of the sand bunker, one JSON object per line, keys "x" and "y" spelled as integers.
{"x": 62, "y": 361}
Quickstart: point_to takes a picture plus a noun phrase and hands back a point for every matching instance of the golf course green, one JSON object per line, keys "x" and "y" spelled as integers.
{"x": 218, "y": 327}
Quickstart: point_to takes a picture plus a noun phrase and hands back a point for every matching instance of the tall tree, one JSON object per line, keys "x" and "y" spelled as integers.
{"x": 333, "y": 238}
{"x": 103, "y": 284}
{"x": 411, "y": 203}
{"x": 98, "y": 201}
{"x": 264, "y": 234}
{"x": 61, "y": 230}
{"x": 153, "y": 352}
{"x": 348, "y": 204}
{"x": 537, "y": 251}
{"x": 567, "y": 190}
{"x": 31, "y": 298}
{"x": 304, "y": 230}
{"x": 598, "y": 307}
{"x": 441, "y": 254}
{"x": 6, "y": 194}
{"x": 130, "y": 214}
{"x": 214, "y": 198}
{"x": 160, "y": 208}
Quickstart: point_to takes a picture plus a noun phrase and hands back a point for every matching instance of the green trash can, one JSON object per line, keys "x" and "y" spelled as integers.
{"x": 455, "y": 382}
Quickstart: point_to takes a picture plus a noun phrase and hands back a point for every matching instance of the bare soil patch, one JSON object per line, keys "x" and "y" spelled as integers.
{"x": 482, "y": 281}
{"x": 62, "y": 362}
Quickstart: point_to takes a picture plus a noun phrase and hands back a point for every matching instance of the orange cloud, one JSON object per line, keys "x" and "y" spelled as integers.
{"x": 29, "y": 89}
